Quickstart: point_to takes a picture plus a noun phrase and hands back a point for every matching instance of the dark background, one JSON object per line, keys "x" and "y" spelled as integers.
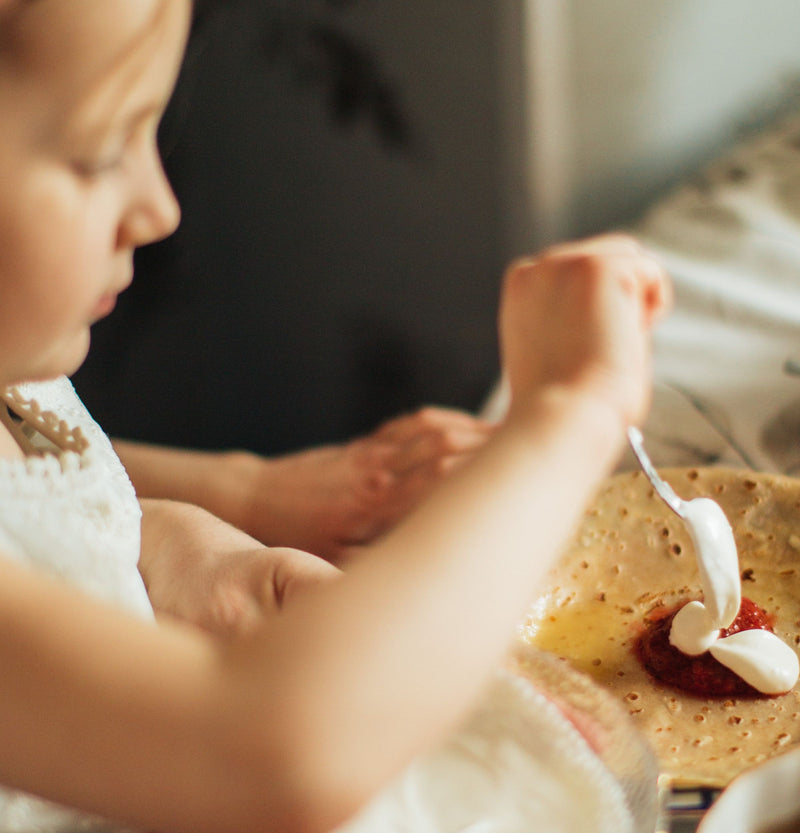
{"x": 339, "y": 256}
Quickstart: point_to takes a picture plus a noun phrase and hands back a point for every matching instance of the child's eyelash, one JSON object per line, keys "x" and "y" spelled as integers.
{"x": 94, "y": 168}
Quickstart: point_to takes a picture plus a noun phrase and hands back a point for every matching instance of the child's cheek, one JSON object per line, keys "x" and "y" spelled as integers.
{"x": 77, "y": 223}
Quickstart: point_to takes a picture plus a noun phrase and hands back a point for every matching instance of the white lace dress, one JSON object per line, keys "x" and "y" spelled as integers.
{"x": 71, "y": 510}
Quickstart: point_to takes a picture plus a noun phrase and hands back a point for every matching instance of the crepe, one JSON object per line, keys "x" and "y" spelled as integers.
{"x": 630, "y": 555}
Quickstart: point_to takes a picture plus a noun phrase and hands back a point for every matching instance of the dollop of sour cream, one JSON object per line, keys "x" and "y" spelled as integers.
{"x": 759, "y": 657}
{"x": 692, "y": 630}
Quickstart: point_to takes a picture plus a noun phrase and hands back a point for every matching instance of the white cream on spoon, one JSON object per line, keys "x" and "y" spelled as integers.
{"x": 717, "y": 559}
{"x": 762, "y": 661}
{"x": 696, "y": 626}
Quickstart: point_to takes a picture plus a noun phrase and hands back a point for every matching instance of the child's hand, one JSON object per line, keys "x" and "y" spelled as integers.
{"x": 330, "y": 500}
{"x": 577, "y": 318}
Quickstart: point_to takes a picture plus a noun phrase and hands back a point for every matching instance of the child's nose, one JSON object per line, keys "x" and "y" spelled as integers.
{"x": 154, "y": 213}
{"x": 167, "y": 210}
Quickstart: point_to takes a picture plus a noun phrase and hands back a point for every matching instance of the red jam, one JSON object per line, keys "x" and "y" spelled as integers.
{"x": 701, "y": 675}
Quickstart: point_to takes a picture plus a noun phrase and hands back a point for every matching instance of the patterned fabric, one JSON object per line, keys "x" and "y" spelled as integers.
{"x": 75, "y": 515}
{"x": 727, "y": 360}
{"x": 517, "y": 765}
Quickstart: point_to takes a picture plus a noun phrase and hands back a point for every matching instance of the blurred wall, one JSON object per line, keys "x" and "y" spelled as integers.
{"x": 638, "y": 94}
{"x": 355, "y": 174}
{"x": 341, "y": 245}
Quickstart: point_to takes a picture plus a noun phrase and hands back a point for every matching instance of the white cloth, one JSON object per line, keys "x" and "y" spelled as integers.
{"x": 75, "y": 516}
{"x": 727, "y": 358}
{"x": 516, "y": 766}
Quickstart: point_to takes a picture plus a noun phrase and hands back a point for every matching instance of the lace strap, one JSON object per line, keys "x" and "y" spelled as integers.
{"x": 46, "y": 423}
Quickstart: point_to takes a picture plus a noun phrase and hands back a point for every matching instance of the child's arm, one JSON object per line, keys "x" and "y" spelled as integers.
{"x": 295, "y": 725}
{"x": 202, "y": 571}
{"x": 324, "y": 500}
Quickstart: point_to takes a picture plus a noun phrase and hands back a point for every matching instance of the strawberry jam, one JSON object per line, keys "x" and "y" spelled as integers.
{"x": 701, "y": 675}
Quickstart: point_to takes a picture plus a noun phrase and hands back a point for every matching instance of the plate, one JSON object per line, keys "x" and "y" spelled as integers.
{"x": 631, "y": 555}
{"x": 764, "y": 799}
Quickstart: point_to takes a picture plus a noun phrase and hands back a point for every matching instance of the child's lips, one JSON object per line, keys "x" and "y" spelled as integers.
{"x": 108, "y": 301}
{"x": 104, "y": 306}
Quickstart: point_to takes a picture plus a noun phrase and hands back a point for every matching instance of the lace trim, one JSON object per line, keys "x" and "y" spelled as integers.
{"x": 46, "y": 423}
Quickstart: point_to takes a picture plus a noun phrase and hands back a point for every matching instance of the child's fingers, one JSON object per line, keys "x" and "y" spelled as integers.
{"x": 635, "y": 270}
{"x": 429, "y": 449}
{"x": 638, "y": 265}
{"x": 602, "y": 244}
{"x": 658, "y": 296}
{"x": 428, "y": 420}
{"x": 653, "y": 285}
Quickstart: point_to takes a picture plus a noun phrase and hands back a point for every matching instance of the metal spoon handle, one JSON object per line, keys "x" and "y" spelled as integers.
{"x": 663, "y": 489}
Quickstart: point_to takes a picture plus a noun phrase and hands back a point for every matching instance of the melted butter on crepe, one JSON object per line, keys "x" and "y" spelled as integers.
{"x": 631, "y": 555}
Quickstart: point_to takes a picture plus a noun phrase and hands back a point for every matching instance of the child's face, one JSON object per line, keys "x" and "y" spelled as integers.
{"x": 83, "y": 84}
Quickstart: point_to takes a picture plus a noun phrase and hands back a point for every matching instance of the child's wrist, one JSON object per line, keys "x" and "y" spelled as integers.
{"x": 239, "y": 487}
{"x": 592, "y": 416}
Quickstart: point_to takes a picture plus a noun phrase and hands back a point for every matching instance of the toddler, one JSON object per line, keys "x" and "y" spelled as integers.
{"x": 305, "y": 690}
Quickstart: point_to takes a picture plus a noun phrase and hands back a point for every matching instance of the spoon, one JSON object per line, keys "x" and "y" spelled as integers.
{"x": 757, "y": 656}
{"x": 715, "y": 548}
{"x": 663, "y": 489}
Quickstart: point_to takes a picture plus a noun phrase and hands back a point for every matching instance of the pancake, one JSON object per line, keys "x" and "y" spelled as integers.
{"x": 631, "y": 556}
